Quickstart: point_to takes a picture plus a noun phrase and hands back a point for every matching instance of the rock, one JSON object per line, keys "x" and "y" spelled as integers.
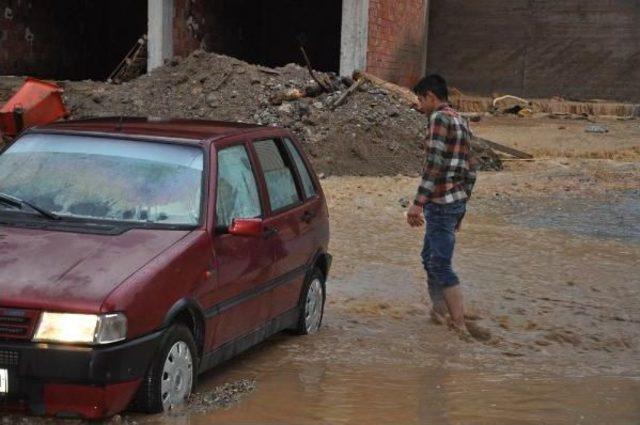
{"x": 293, "y": 94}
{"x": 276, "y": 99}
{"x": 510, "y": 104}
{"x": 322, "y": 176}
{"x": 318, "y": 105}
{"x": 313, "y": 90}
{"x": 598, "y": 129}
{"x": 286, "y": 108}
{"x": 212, "y": 100}
{"x": 404, "y": 202}
{"x": 97, "y": 97}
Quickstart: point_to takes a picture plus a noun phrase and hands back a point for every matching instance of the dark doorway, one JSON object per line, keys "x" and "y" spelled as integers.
{"x": 268, "y": 32}
{"x": 73, "y": 39}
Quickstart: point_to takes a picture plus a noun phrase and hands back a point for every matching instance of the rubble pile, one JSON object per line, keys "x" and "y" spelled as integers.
{"x": 372, "y": 132}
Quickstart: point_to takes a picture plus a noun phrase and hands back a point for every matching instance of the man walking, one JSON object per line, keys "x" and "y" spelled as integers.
{"x": 447, "y": 182}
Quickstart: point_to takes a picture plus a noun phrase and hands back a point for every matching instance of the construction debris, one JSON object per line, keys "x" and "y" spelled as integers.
{"x": 372, "y": 130}
{"x": 35, "y": 103}
{"x": 133, "y": 65}
{"x": 407, "y": 95}
{"x": 347, "y": 92}
{"x": 505, "y": 149}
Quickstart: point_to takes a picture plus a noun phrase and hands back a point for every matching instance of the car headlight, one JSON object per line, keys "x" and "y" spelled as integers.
{"x": 89, "y": 329}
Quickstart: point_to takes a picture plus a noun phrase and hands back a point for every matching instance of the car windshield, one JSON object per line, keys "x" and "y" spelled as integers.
{"x": 105, "y": 179}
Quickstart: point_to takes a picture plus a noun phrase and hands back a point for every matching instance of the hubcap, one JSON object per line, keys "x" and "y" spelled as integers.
{"x": 313, "y": 306}
{"x": 177, "y": 376}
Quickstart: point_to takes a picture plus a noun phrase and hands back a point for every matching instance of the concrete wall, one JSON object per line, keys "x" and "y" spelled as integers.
{"x": 354, "y": 36}
{"x": 538, "y": 48}
{"x": 160, "y": 32}
{"x": 397, "y": 40}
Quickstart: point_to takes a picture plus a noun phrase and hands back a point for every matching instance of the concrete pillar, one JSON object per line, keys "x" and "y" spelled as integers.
{"x": 160, "y": 32}
{"x": 354, "y": 36}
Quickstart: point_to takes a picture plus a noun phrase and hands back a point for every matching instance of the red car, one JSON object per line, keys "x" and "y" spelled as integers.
{"x": 135, "y": 254}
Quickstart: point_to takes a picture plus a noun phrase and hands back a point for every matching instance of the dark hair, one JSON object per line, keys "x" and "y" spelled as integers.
{"x": 433, "y": 83}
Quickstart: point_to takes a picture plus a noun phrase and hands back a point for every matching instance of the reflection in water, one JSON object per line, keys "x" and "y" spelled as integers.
{"x": 324, "y": 393}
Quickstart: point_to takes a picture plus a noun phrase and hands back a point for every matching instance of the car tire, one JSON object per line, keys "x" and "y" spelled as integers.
{"x": 312, "y": 302}
{"x": 172, "y": 374}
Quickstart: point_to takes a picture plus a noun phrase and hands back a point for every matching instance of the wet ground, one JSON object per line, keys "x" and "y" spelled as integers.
{"x": 561, "y": 300}
{"x": 553, "y": 275}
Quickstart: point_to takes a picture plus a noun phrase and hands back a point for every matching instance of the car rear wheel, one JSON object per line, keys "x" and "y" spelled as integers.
{"x": 312, "y": 304}
{"x": 171, "y": 377}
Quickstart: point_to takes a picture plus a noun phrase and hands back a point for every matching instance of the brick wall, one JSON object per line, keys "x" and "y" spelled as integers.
{"x": 538, "y": 48}
{"x": 397, "y": 36}
{"x": 188, "y": 21}
{"x": 26, "y": 39}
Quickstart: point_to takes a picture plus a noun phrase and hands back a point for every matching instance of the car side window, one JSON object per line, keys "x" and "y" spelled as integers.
{"x": 237, "y": 189}
{"x": 303, "y": 171}
{"x": 278, "y": 175}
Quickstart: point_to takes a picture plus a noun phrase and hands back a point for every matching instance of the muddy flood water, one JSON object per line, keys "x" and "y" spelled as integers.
{"x": 562, "y": 306}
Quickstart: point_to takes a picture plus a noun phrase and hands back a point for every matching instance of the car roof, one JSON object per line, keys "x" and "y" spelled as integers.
{"x": 184, "y": 130}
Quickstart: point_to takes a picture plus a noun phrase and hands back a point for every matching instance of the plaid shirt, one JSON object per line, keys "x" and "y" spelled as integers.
{"x": 448, "y": 174}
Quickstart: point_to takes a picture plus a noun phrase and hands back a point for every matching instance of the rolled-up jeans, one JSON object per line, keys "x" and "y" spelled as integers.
{"x": 439, "y": 242}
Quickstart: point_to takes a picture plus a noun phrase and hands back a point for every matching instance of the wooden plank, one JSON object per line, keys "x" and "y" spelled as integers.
{"x": 403, "y": 92}
{"x": 505, "y": 149}
{"x": 347, "y": 93}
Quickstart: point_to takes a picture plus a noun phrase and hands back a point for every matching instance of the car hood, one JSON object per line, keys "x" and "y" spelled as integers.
{"x": 44, "y": 269}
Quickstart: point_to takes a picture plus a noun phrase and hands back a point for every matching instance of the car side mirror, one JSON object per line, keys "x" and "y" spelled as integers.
{"x": 246, "y": 227}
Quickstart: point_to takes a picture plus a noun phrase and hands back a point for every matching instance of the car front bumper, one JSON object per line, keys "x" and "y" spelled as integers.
{"x": 69, "y": 381}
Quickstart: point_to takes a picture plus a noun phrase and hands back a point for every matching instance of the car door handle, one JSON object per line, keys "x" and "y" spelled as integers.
{"x": 270, "y": 232}
{"x": 308, "y": 216}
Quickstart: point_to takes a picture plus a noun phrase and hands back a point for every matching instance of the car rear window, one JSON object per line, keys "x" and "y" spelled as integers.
{"x": 303, "y": 171}
{"x": 278, "y": 175}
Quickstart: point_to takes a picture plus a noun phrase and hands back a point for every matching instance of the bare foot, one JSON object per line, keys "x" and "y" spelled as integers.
{"x": 472, "y": 316}
{"x": 461, "y": 333}
{"x": 476, "y": 331}
{"x": 437, "y": 318}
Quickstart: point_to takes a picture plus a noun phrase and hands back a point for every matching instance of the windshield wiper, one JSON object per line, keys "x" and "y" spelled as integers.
{"x": 18, "y": 203}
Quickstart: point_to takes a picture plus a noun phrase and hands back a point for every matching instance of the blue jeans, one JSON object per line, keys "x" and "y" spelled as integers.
{"x": 439, "y": 241}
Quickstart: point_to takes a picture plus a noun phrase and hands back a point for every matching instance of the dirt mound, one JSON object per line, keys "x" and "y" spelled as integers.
{"x": 371, "y": 133}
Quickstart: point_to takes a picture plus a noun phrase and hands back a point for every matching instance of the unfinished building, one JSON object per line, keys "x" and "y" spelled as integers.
{"x": 86, "y": 39}
{"x": 532, "y": 48}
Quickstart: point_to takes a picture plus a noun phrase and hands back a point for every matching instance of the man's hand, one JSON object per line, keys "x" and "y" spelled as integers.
{"x": 414, "y": 216}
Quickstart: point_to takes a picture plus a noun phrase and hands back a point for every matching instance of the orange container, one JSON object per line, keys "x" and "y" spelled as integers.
{"x": 37, "y": 102}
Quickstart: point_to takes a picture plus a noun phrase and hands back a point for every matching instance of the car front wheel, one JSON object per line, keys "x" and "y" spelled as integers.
{"x": 171, "y": 377}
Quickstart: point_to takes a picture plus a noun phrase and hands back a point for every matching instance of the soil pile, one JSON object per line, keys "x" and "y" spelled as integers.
{"x": 372, "y": 133}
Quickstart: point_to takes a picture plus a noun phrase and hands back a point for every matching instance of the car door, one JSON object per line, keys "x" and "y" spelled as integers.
{"x": 243, "y": 263}
{"x": 290, "y": 217}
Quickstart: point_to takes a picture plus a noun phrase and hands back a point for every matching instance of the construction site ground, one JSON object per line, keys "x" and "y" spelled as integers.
{"x": 549, "y": 258}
